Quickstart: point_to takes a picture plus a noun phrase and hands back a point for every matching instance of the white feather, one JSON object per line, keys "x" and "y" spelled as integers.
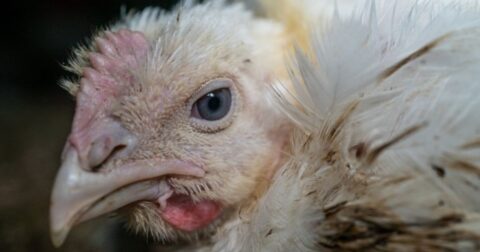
{"x": 387, "y": 115}
{"x": 420, "y": 68}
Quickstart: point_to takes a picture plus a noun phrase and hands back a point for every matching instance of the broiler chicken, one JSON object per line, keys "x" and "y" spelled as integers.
{"x": 199, "y": 125}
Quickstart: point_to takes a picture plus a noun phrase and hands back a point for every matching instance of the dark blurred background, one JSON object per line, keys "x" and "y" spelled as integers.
{"x": 35, "y": 114}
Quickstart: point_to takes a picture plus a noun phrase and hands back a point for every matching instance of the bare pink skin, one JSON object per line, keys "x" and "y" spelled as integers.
{"x": 185, "y": 215}
{"x": 119, "y": 53}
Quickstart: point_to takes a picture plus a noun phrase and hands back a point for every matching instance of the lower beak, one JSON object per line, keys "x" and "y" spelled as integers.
{"x": 79, "y": 195}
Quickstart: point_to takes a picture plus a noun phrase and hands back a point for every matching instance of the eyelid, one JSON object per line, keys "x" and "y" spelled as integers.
{"x": 211, "y": 86}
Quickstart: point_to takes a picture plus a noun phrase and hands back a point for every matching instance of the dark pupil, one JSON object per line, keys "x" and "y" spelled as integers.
{"x": 214, "y": 105}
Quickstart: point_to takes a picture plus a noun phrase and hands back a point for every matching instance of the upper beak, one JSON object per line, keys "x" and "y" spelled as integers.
{"x": 79, "y": 194}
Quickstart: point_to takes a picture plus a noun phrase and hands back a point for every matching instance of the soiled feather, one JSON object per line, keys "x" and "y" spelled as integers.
{"x": 386, "y": 156}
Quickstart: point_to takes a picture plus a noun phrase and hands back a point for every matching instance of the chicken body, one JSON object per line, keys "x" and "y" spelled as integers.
{"x": 371, "y": 144}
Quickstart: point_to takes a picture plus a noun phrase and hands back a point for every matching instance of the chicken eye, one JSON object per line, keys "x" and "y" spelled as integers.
{"x": 213, "y": 106}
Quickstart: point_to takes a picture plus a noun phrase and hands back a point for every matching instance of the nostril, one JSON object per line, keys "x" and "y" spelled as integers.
{"x": 101, "y": 143}
{"x": 107, "y": 148}
{"x": 94, "y": 167}
{"x": 100, "y": 150}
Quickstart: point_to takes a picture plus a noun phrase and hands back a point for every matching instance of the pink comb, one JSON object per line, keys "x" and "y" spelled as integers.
{"x": 118, "y": 55}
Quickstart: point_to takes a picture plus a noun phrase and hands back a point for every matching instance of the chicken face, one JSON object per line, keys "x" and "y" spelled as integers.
{"x": 172, "y": 120}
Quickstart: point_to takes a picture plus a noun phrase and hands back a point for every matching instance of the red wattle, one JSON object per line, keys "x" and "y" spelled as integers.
{"x": 182, "y": 213}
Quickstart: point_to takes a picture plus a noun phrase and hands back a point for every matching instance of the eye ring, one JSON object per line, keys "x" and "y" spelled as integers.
{"x": 213, "y": 105}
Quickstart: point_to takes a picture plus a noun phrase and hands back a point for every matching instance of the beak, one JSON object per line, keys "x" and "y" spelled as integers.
{"x": 79, "y": 194}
